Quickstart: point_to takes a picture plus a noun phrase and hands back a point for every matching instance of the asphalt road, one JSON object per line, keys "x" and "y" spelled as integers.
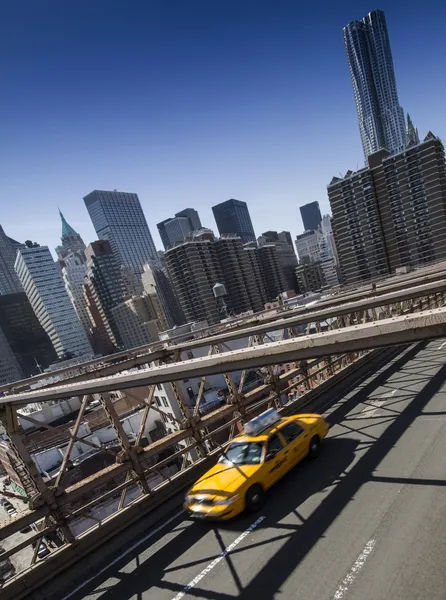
{"x": 367, "y": 519}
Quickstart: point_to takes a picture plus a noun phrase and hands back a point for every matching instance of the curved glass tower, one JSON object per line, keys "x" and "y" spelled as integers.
{"x": 381, "y": 118}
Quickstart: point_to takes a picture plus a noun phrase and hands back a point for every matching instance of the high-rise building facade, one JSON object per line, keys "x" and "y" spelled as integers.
{"x": 118, "y": 217}
{"x": 104, "y": 289}
{"x": 176, "y": 230}
{"x": 27, "y": 339}
{"x": 9, "y": 367}
{"x": 73, "y": 274}
{"x": 311, "y": 216}
{"x": 272, "y": 272}
{"x": 391, "y": 214}
{"x": 194, "y": 270}
{"x": 136, "y": 322}
{"x": 233, "y": 216}
{"x": 380, "y": 116}
{"x": 158, "y": 286}
{"x": 9, "y": 282}
{"x": 285, "y": 252}
{"x": 243, "y": 293}
{"x": 43, "y": 284}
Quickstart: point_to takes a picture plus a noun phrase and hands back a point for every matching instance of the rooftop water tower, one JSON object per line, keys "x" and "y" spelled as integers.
{"x": 220, "y": 292}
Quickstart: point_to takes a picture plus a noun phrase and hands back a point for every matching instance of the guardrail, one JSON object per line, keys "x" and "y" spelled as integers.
{"x": 66, "y": 556}
{"x": 72, "y": 518}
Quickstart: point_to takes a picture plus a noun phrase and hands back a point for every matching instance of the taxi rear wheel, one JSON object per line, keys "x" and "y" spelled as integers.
{"x": 315, "y": 445}
{"x": 255, "y": 498}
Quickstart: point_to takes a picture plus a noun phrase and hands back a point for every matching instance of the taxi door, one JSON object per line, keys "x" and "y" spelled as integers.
{"x": 295, "y": 438}
{"x": 276, "y": 460}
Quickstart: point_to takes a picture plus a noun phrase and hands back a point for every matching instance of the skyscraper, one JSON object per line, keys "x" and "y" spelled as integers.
{"x": 272, "y": 271}
{"x": 43, "y": 284}
{"x": 73, "y": 273}
{"x": 105, "y": 289}
{"x": 119, "y": 218}
{"x": 381, "y": 118}
{"x": 194, "y": 270}
{"x": 286, "y": 255}
{"x": 158, "y": 286}
{"x": 9, "y": 282}
{"x": 173, "y": 231}
{"x": 392, "y": 213}
{"x": 28, "y": 340}
{"x": 9, "y": 367}
{"x": 311, "y": 216}
{"x": 71, "y": 240}
{"x": 233, "y": 216}
{"x": 243, "y": 291}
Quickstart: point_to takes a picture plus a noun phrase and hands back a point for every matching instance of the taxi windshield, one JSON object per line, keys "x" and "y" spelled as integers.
{"x": 242, "y": 453}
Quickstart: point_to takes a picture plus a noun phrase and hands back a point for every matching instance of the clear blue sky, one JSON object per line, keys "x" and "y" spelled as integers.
{"x": 190, "y": 103}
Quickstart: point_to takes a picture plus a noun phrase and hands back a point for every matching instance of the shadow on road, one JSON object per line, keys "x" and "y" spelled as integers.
{"x": 158, "y": 571}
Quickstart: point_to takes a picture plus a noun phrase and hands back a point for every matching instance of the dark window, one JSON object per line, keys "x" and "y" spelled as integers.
{"x": 274, "y": 444}
{"x": 291, "y": 431}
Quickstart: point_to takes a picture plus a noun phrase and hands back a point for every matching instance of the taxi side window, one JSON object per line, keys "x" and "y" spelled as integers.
{"x": 274, "y": 444}
{"x": 291, "y": 431}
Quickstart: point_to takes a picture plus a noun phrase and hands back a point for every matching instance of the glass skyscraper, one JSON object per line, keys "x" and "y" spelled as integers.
{"x": 381, "y": 118}
{"x": 119, "y": 218}
{"x": 233, "y": 216}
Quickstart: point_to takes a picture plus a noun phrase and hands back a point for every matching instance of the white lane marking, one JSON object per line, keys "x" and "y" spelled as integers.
{"x": 219, "y": 558}
{"x": 373, "y": 405}
{"x": 357, "y": 566}
{"x": 128, "y": 551}
{"x": 443, "y": 344}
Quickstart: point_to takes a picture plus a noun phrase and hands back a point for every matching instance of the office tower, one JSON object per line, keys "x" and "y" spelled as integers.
{"x": 136, "y": 322}
{"x": 71, "y": 240}
{"x": 73, "y": 273}
{"x": 192, "y": 215}
{"x": 285, "y": 252}
{"x": 104, "y": 289}
{"x": 163, "y": 234}
{"x": 194, "y": 270}
{"x": 43, "y": 284}
{"x": 391, "y": 214}
{"x": 26, "y": 337}
{"x": 9, "y": 367}
{"x": 233, "y": 216}
{"x": 119, "y": 218}
{"x": 158, "y": 286}
{"x": 176, "y": 230}
{"x": 311, "y": 216}
{"x": 9, "y": 282}
{"x": 241, "y": 286}
{"x": 381, "y": 118}
{"x": 272, "y": 272}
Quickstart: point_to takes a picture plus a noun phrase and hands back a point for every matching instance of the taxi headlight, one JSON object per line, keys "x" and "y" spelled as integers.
{"x": 227, "y": 501}
{"x": 189, "y": 499}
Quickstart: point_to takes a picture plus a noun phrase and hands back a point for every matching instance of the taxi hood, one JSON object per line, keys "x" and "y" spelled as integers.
{"x": 224, "y": 478}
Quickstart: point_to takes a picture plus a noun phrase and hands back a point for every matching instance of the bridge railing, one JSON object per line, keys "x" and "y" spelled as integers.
{"x": 138, "y": 467}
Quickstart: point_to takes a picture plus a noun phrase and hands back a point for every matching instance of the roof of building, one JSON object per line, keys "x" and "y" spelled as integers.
{"x": 67, "y": 230}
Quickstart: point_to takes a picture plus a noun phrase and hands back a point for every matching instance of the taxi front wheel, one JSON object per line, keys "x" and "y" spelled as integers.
{"x": 255, "y": 498}
{"x": 315, "y": 445}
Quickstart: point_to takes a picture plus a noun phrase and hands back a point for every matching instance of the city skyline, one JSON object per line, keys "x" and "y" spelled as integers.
{"x": 287, "y": 161}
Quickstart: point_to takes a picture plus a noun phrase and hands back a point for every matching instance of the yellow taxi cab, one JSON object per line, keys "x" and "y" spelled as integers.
{"x": 252, "y": 462}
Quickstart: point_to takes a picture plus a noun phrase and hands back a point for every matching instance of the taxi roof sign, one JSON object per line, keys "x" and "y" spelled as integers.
{"x": 261, "y": 422}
